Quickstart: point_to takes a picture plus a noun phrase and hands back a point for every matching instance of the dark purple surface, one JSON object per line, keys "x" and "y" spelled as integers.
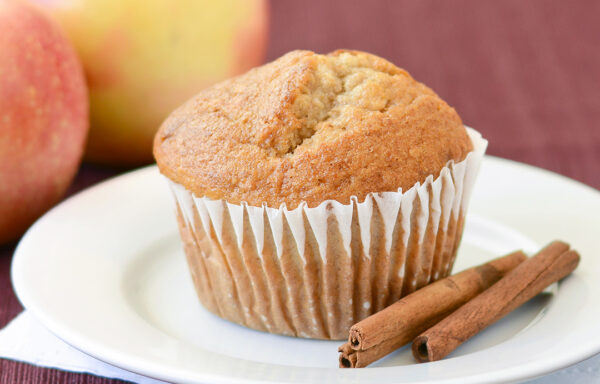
{"x": 525, "y": 74}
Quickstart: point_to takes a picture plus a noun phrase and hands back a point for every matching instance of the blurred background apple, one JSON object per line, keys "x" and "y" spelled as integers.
{"x": 43, "y": 115}
{"x": 143, "y": 58}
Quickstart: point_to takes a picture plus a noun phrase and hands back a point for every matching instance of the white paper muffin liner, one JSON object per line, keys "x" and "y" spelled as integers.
{"x": 313, "y": 272}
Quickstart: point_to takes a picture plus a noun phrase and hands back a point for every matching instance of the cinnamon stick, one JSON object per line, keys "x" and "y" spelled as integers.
{"x": 351, "y": 358}
{"x": 396, "y": 325}
{"x": 347, "y": 356}
{"x": 551, "y": 264}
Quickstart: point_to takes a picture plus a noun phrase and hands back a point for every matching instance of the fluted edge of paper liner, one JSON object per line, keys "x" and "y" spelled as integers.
{"x": 313, "y": 272}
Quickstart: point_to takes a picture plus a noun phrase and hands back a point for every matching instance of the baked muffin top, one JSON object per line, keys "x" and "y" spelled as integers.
{"x": 310, "y": 127}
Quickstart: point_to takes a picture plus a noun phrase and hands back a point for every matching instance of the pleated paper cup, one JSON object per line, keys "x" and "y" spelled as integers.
{"x": 313, "y": 272}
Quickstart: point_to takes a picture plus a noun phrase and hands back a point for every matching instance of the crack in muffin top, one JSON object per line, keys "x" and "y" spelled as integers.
{"x": 309, "y": 127}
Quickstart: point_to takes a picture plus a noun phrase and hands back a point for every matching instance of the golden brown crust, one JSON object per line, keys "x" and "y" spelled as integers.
{"x": 310, "y": 127}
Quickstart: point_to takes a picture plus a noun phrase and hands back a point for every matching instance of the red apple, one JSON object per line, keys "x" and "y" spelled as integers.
{"x": 43, "y": 115}
{"x": 144, "y": 58}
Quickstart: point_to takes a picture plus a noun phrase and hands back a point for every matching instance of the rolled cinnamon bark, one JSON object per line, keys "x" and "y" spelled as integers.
{"x": 528, "y": 279}
{"x": 347, "y": 356}
{"x": 398, "y": 324}
{"x": 351, "y": 358}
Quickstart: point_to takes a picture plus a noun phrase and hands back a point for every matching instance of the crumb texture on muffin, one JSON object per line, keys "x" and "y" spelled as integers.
{"x": 311, "y": 128}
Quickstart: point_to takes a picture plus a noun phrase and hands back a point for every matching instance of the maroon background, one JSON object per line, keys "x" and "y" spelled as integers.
{"x": 524, "y": 73}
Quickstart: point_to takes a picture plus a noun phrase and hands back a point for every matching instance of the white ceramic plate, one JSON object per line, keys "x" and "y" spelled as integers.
{"x": 105, "y": 272}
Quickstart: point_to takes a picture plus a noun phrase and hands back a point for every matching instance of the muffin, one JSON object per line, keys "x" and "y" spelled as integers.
{"x": 317, "y": 189}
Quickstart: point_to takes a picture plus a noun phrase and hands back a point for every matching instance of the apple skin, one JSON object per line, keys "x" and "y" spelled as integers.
{"x": 143, "y": 59}
{"x": 43, "y": 115}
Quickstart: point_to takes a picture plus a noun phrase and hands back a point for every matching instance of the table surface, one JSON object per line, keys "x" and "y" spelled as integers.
{"x": 525, "y": 74}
